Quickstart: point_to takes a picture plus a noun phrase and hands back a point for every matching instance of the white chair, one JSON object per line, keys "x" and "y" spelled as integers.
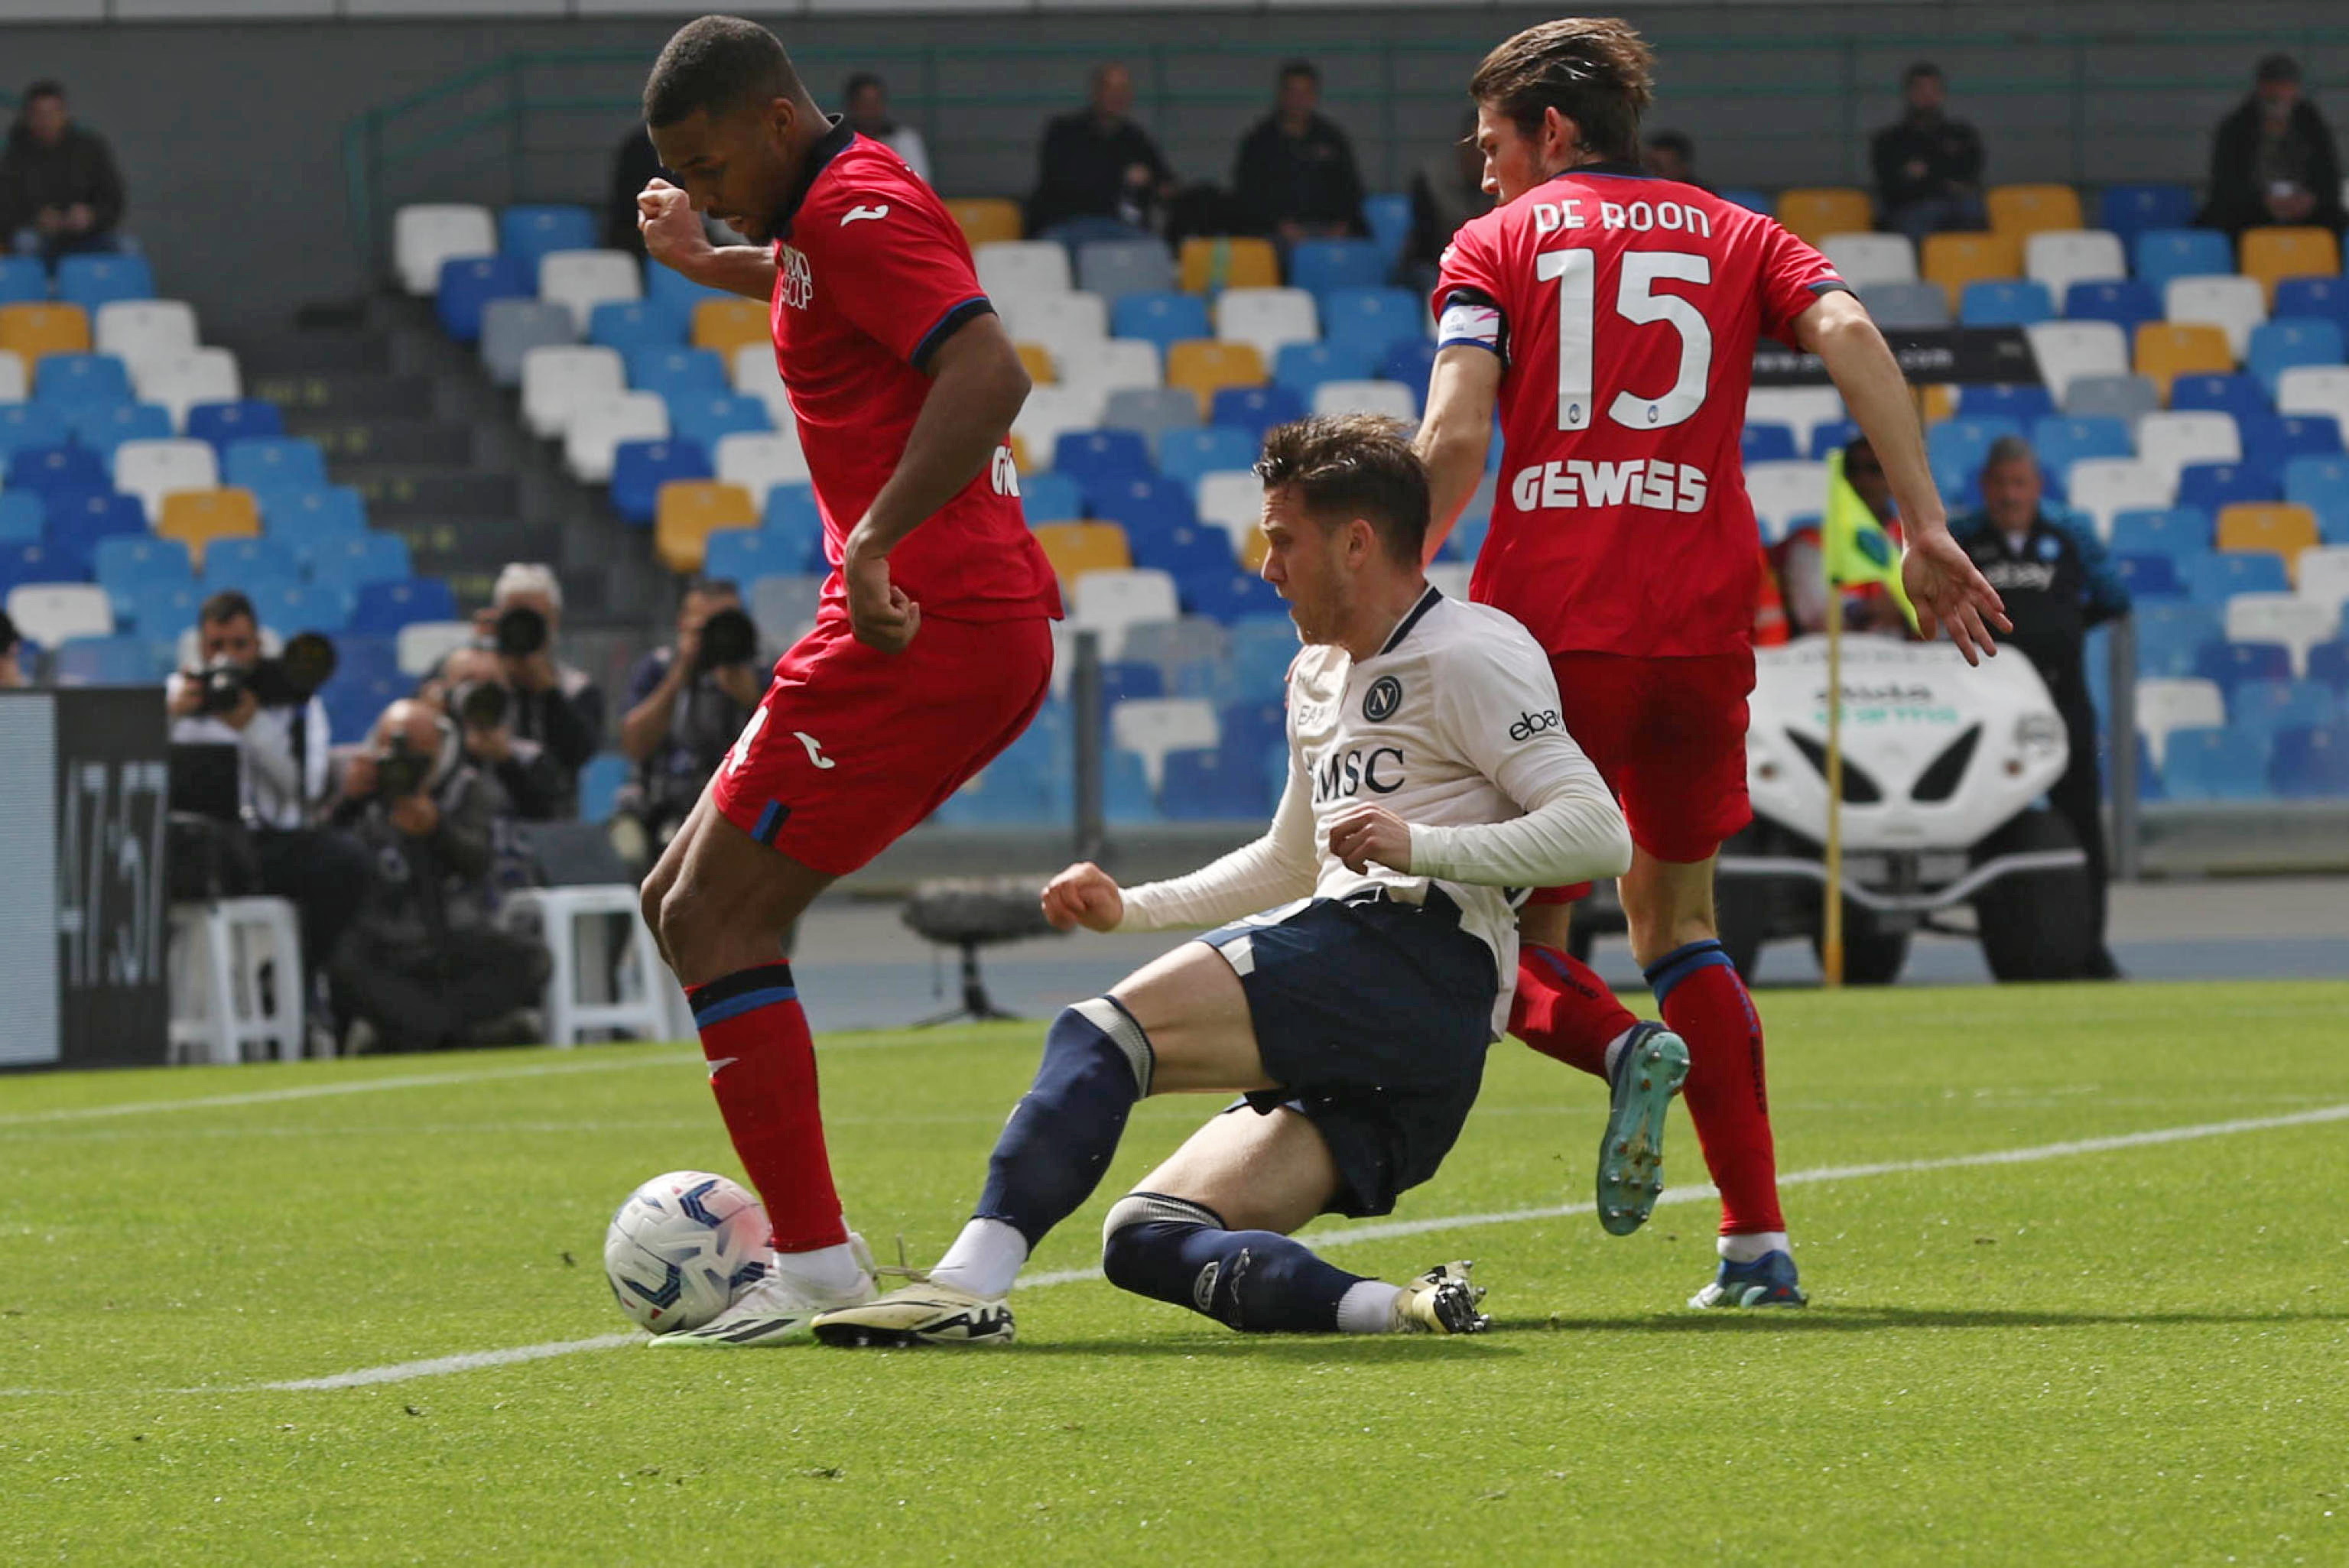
{"x": 234, "y": 973}
{"x": 1232, "y": 501}
{"x": 754, "y": 375}
{"x": 586, "y": 991}
{"x": 1110, "y": 602}
{"x": 2234, "y": 305}
{"x": 1781, "y": 493}
{"x": 49, "y": 613}
{"x": 1872, "y": 258}
{"x": 420, "y": 646}
{"x": 153, "y": 469}
{"x": 138, "y": 330}
{"x": 1064, "y": 326}
{"x": 13, "y": 382}
{"x": 2324, "y": 574}
{"x": 585, "y": 279}
{"x": 597, "y": 430}
{"x": 1450, "y": 578}
{"x": 1050, "y": 412}
{"x": 427, "y": 234}
{"x": 181, "y": 381}
{"x": 2058, "y": 258}
{"x": 559, "y": 379}
{"x": 1113, "y": 364}
{"x": 2066, "y": 350}
{"x": 760, "y": 459}
{"x": 2169, "y": 441}
{"x": 2104, "y": 486}
{"x": 1802, "y": 409}
{"x": 2314, "y": 389}
{"x": 2163, "y": 706}
{"x": 2297, "y": 623}
{"x": 1268, "y": 318}
{"x": 1014, "y": 271}
{"x": 1152, "y": 726}
{"x": 1390, "y": 399}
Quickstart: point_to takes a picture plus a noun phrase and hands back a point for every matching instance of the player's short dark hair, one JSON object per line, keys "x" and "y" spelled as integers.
{"x": 1922, "y": 71}
{"x": 1676, "y": 142}
{"x": 1306, "y": 68}
{"x": 858, "y": 82}
{"x": 228, "y": 605}
{"x": 1594, "y": 70}
{"x": 2277, "y": 68}
{"x": 2009, "y": 449}
{"x": 47, "y": 87}
{"x": 1344, "y": 466}
{"x": 717, "y": 64}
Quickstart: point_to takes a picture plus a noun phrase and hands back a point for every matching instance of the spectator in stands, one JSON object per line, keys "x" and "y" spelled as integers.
{"x": 1295, "y": 177}
{"x": 1802, "y": 567}
{"x": 1446, "y": 190}
{"x": 1098, "y": 168}
{"x": 685, "y": 710}
{"x": 1671, "y": 155}
{"x": 864, "y": 102}
{"x": 60, "y": 192}
{"x": 1928, "y": 167}
{"x": 556, "y": 705}
{"x": 11, "y": 671}
{"x": 2052, "y": 570}
{"x": 283, "y": 766}
{"x": 426, "y": 965}
{"x": 471, "y": 690}
{"x": 635, "y": 165}
{"x": 2272, "y": 159}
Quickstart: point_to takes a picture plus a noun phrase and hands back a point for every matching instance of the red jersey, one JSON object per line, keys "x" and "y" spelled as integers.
{"x": 871, "y": 274}
{"x": 1625, "y": 309}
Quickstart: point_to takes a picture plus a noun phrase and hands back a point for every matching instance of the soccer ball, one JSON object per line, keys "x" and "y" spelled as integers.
{"x": 682, "y": 1247}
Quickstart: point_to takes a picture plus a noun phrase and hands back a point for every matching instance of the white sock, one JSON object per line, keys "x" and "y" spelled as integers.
{"x": 1745, "y": 1249}
{"x": 1615, "y": 1051}
{"x": 1368, "y": 1307}
{"x": 984, "y": 1259}
{"x": 827, "y": 1272}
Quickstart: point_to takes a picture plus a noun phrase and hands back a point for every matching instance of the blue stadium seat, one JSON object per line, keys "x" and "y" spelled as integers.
{"x": 2238, "y": 395}
{"x": 39, "y": 563}
{"x": 639, "y": 469}
{"x": 631, "y": 326}
{"x": 1188, "y": 552}
{"x": 303, "y": 607}
{"x": 383, "y": 608}
{"x": 1304, "y": 367}
{"x": 1768, "y": 443}
{"x": 2311, "y": 764}
{"x": 366, "y": 656}
{"x": 116, "y": 661}
{"x": 2329, "y": 662}
{"x": 229, "y": 562}
{"x": 2214, "y": 485}
{"x": 64, "y": 380}
{"x": 674, "y": 291}
{"x": 1126, "y": 799}
{"x": 304, "y": 515}
{"x": 2150, "y": 576}
{"x": 1146, "y": 503}
{"x": 600, "y": 783}
{"x": 2161, "y": 255}
{"x": 102, "y": 427}
{"x": 2130, "y": 210}
{"x": 1751, "y": 201}
{"x": 2324, "y": 297}
{"x": 2283, "y": 342}
{"x": 745, "y": 554}
{"x": 2316, "y": 481}
{"x": 467, "y": 284}
{"x": 1410, "y": 363}
{"x": 2213, "y": 764}
{"x": 1240, "y": 597}
{"x": 1164, "y": 317}
{"x": 22, "y": 516}
{"x": 1102, "y": 459}
{"x": 49, "y": 469}
{"x": 2271, "y": 707}
{"x": 23, "y": 281}
{"x": 1261, "y": 653}
{"x": 125, "y": 563}
{"x": 26, "y": 424}
{"x": 245, "y": 419}
{"x": 2005, "y": 302}
{"x": 2170, "y": 637}
{"x": 1126, "y": 679}
{"x": 2148, "y": 777}
{"x": 1011, "y": 791}
{"x": 2022, "y": 402}
{"x": 1185, "y": 455}
{"x": 93, "y": 281}
{"x": 2124, "y": 302}
{"x": 1050, "y": 497}
{"x": 79, "y": 519}
{"x": 709, "y": 417}
{"x": 529, "y": 232}
{"x": 1116, "y": 268}
{"x": 1252, "y": 723}
{"x": 2061, "y": 442}
{"x": 1255, "y": 409}
{"x": 2176, "y": 532}
{"x": 1215, "y": 786}
{"x": 349, "y": 563}
{"x": 354, "y": 702}
{"x": 678, "y": 373}
{"x": 273, "y": 462}
{"x": 1374, "y": 319}
{"x": 2233, "y": 664}
{"x": 2271, "y": 441}
{"x": 2216, "y": 578}
{"x": 789, "y": 513}
{"x": 1388, "y": 215}
{"x": 1318, "y": 266}
{"x": 1826, "y": 436}
{"x": 1957, "y": 447}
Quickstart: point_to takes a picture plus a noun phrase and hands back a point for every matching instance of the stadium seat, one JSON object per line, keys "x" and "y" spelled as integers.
{"x": 1830, "y": 436}
{"x": 1766, "y": 443}
{"x": 1411, "y": 362}
{"x": 596, "y": 429}
{"x": 22, "y": 516}
{"x": 532, "y": 231}
{"x": 2150, "y": 576}
{"x": 2165, "y": 350}
{"x": 1390, "y": 216}
{"x": 2128, "y": 398}
{"x": 1113, "y": 268}
{"x": 2237, "y": 396}
{"x": 2270, "y": 255}
{"x": 182, "y": 381}
{"x": 1373, "y": 319}
{"x": 2315, "y": 390}
{"x": 1141, "y": 503}
{"x": 2026, "y": 211}
{"x": 93, "y": 281}
{"x": 1254, "y": 409}
{"x": 2167, "y": 706}
{"x": 15, "y": 381}
{"x": 274, "y": 463}
{"x": 116, "y": 661}
{"x": 2232, "y": 305}
{"x": 23, "y": 280}
{"x": 675, "y": 294}
{"x": 133, "y": 330}
{"x": 1075, "y": 549}
{"x": 467, "y": 284}
{"x": 127, "y": 564}
{"x": 759, "y": 460}
{"x": 678, "y": 373}
{"x": 1318, "y": 266}
{"x": 1233, "y": 501}
{"x": 303, "y": 517}
{"x": 2202, "y": 764}
{"x": 2059, "y": 258}
{"x": 1302, "y": 367}
{"x": 2004, "y": 302}
{"x": 2130, "y": 211}
{"x": 1050, "y": 497}
{"x": 2271, "y": 441}
{"x": 2323, "y": 574}
{"x": 2282, "y": 528}
{"x": 2175, "y": 532}
{"x": 1011, "y": 272}
{"x": 1813, "y": 212}
{"x": 747, "y": 554}
{"x": 1781, "y": 493}
{"x": 1068, "y": 325}
{"x": 1155, "y": 411}
{"x": 2101, "y": 486}
{"x": 1955, "y": 260}
{"x": 425, "y": 235}
{"x": 2329, "y": 662}
{"x": 640, "y": 467}
{"x": 1102, "y": 457}
{"x": 76, "y": 519}
{"x": 1956, "y": 448}
{"x": 384, "y": 609}
{"x": 2295, "y": 623}
{"x": 104, "y": 428}
{"x": 631, "y": 326}
{"x": 2062, "y": 441}
{"x": 1130, "y": 680}
{"x": 65, "y": 381}
{"x": 240, "y": 563}
{"x": 1266, "y": 318}
{"x": 2327, "y": 298}
{"x": 1209, "y": 265}
{"x": 31, "y": 332}
{"x": 2068, "y": 350}
{"x": 687, "y": 511}
{"x": 2172, "y": 638}
{"x": 2311, "y": 763}
{"x": 2286, "y": 343}
{"x": 1051, "y": 411}
{"x": 583, "y": 279}
{"x": 1388, "y": 399}
{"x": 1108, "y": 601}
{"x": 1910, "y": 306}
{"x": 986, "y": 220}
{"x": 33, "y": 562}
{"x": 510, "y": 328}
{"x": 196, "y": 518}
{"x": 1037, "y": 360}
{"x": 2161, "y": 254}
{"x": 2211, "y": 486}
{"x": 1800, "y": 408}
{"x": 1865, "y": 258}
{"x": 50, "y": 470}
{"x": 710, "y": 417}
{"x": 1207, "y": 367}
{"x": 2124, "y": 301}
{"x": 351, "y": 562}
{"x": 725, "y": 326}
{"x": 1221, "y": 785}
{"x": 2172, "y": 440}
{"x": 2214, "y": 579}
{"x": 288, "y": 608}
{"x": 2231, "y": 664}
{"x": 1153, "y": 729}
{"x": 1118, "y": 364}
{"x": 1164, "y": 319}
{"x": 154, "y": 469}
{"x": 55, "y": 612}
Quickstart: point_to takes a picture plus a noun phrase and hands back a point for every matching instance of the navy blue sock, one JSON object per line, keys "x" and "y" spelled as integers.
{"x": 1259, "y": 1282}
{"x": 1061, "y": 1135}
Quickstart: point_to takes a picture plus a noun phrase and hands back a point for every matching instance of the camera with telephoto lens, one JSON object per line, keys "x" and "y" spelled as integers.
{"x": 728, "y": 637}
{"x": 291, "y": 678}
{"x": 519, "y": 632}
{"x": 400, "y": 769}
{"x": 480, "y": 705}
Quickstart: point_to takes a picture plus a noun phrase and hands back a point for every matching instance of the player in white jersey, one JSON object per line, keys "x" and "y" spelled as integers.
{"x": 1367, "y": 969}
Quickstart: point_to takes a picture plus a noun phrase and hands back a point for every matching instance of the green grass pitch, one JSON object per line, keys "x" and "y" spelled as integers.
{"x": 2132, "y": 1351}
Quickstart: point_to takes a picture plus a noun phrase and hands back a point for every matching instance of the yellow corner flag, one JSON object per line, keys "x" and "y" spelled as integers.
{"x": 1854, "y": 545}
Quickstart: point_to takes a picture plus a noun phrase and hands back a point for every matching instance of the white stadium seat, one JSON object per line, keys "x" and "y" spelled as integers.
{"x": 424, "y": 236}
{"x": 2069, "y": 349}
{"x": 2314, "y": 389}
{"x": 1152, "y": 726}
{"x": 599, "y": 428}
{"x": 758, "y": 460}
{"x": 1113, "y": 364}
{"x": 2059, "y": 258}
{"x": 754, "y": 375}
{"x": 1391, "y": 399}
{"x": 1871, "y": 258}
{"x": 2324, "y": 574}
{"x": 1110, "y": 602}
{"x": 1781, "y": 493}
{"x": 13, "y": 386}
{"x": 1451, "y": 577}
{"x": 585, "y": 279}
{"x": 2104, "y": 486}
{"x": 560, "y": 378}
{"x": 139, "y": 330}
{"x": 420, "y": 646}
{"x": 1268, "y": 318}
{"x": 1052, "y": 411}
{"x": 1062, "y": 325}
{"x": 181, "y": 381}
{"x": 2163, "y": 706}
{"x": 2299, "y": 624}
{"x": 153, "y": 469}
{"x": 50, "y": 612}
{"x": 2169, "y": 441}
{"x": 1232, "y": 501}
{"x": 2234, "y": 305}
{"x": 1014, "y": 271}
{"x": 1801, "y": 409}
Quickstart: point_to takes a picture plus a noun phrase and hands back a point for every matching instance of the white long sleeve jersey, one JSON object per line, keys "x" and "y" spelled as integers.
{"x": 1454, "y": 726}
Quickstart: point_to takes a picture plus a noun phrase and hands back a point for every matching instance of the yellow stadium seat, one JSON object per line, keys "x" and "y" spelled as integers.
{"x": 2273, "y": 253}
{"x": 1254, "y": 547}
{"x": 30, "y": 331}
{"x": 1936, "y": 402}
{"x": 2268, "y": 525}
{"x": 2023, "y": 210}
{"x": 1815, "y": 211}
{"x": 1038, "y": 361}
{"x": 1229, "y": 264}
{"x": 196, "y": 518}
{"x": 726, "y": 325}
{"x": 2168, "y": 349}
{"x": 687, "y": 511}
{"x": 1206, "y": 366}
{"x": 1953, "y": 261}
{"x": 1077, "y": 548}
{"x": 986, "y": 220}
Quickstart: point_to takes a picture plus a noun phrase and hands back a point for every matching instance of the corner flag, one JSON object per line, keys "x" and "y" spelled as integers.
{"x": 1856, "y": 548}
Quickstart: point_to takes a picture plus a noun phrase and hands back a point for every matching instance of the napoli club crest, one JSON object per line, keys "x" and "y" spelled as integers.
{"x": 1384, "y": 697}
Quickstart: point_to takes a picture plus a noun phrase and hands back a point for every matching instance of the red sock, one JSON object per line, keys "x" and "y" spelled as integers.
{"x": 1564, "y": 1010}
{"x": 1707, "y": 1004}
{"x": 763, "y": 1070}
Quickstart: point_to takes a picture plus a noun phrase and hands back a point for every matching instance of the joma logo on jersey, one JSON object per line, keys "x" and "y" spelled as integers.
{"x": 1346, "y": 774}
{"x": 1529, "y": 724}
{"x": 1005, "y": 473}
{"x": 798, "y": 280}
{"x": 1647, "y": 482}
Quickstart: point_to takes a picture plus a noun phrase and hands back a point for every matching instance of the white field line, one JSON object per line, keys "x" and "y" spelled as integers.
{"x": 437, "y": 1367}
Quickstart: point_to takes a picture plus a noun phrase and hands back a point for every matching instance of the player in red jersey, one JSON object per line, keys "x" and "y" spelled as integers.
{"x": 933, "y": 648}
{"x": 1611, "y": 318}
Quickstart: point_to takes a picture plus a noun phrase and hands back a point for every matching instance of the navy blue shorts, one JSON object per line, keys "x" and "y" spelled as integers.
{"x": 1374, "y": 1016}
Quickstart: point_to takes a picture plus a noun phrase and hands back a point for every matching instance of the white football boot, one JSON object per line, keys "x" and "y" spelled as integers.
{"x": 1442, "y": 1301}
{"x": 773, "y": 1310}
{"x": 922, "y": 1313}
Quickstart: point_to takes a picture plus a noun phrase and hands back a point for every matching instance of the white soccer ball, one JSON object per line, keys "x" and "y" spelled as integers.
{"x": 682, "y": 1247}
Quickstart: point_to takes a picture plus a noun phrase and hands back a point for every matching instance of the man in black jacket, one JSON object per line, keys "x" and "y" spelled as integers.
{"x": 2272, "y": 160}
{"x": 57, "y": 181}
{"x": 1097, "y": 163}
{"x": 1295, "y": 177}
{"x": 558, "y": 706}
{"x": 1928, "y": 167}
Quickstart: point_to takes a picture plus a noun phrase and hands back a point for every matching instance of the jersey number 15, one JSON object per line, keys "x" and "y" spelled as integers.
{"x": 1576, "y": 272}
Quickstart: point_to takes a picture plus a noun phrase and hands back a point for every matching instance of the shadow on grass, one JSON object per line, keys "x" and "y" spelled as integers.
{"x": 1878, "y": 1319}
{"x": 1348, "y": 1349}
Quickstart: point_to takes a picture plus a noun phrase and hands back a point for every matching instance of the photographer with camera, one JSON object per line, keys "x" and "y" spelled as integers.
{"x": 267, "y": 707}
{"x": 688, "y": 703}
{"x": 426, "y": 965}
{"x": 471, "y": 689}
{"x": 556, "y": 705}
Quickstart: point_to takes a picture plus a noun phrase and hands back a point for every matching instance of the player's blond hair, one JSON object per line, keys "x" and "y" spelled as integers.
{"x": 1594, "y": 70}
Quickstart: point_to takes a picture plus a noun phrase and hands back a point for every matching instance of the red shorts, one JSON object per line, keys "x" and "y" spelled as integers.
{"x": 1669, "y": 736}
{"x": 851, "y": 747}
